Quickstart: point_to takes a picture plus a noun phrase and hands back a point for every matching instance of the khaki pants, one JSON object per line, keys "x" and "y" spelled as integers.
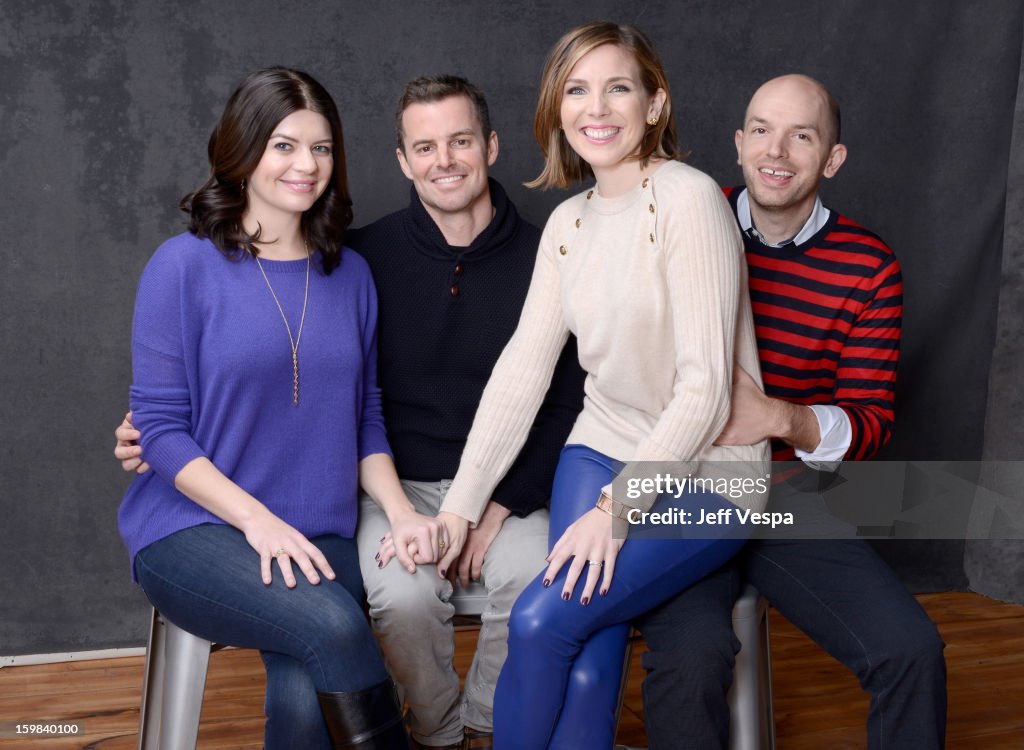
{"x": 412, "y": 618}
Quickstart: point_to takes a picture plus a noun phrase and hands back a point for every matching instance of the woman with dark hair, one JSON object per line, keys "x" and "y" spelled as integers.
{"x": 646, "y": 269}
{"x": 254, "y": 355}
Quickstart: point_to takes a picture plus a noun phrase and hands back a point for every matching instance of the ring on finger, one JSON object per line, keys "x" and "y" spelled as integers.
{"x": 595, "y": 562}
{"x": 441, "y": 545}
{"x": 281, "y": 552}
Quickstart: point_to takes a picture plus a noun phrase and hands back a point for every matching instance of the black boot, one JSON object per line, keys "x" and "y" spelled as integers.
{"x": 369, "y": 719}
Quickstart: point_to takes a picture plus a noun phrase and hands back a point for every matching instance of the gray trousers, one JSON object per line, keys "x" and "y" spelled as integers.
{"x": 412, "y": 617}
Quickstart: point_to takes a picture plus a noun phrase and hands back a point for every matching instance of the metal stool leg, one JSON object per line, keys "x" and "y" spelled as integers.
{"x": 152, "y": 686}
{"x": 752, "y": 726}
{"x": 634, "y": 635}
{"x": 765, "y": 675}
{"x": 172, "y": 690}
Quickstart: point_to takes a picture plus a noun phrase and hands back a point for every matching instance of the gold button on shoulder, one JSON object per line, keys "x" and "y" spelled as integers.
{"x": 563, "y": 250}
{"x": 578, "y": 222}
{"x": 590, "y": 194}
{"x": 651, "y": 235}
{"x": 646, "y": 182}
{"x": 651, "y": 208}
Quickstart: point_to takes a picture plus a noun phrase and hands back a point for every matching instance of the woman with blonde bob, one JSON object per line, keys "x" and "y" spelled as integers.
{"x": 646, "y": 269}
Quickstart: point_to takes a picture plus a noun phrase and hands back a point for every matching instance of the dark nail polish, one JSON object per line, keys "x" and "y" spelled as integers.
{"x": 382, "y": 540}
{"x": 604, "y": 591}
{"x": 377, "y": 556}
{"x": 444, "y": 573}
{"x": 565, "y": 596}
{"x": 585, "y": 601}
{"x": 380, "y": 563}
{"x": 547, "y": 582}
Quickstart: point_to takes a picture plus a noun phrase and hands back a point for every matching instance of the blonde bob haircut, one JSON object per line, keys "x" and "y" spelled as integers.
{"x": 562, "y": 165}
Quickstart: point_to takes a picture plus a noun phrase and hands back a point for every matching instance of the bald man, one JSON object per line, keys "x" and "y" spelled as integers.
{"x": 827, "y": 302}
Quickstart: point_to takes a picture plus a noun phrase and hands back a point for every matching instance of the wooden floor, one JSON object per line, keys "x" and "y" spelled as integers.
{"x": 817, "y": 703}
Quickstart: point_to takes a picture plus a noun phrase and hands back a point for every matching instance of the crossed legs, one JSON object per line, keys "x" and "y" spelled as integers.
{"x": 206, "y": 580}
{"x": 559, "y": 686}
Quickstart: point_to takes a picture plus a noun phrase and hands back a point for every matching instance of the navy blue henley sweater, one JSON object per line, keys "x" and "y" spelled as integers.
{"x": 446, "y": 313}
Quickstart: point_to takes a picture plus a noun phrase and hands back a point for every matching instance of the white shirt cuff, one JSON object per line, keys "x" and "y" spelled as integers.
{"x": 836, "y": 436}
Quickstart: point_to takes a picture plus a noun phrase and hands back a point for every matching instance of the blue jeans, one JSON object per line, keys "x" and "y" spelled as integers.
{"x": 206, "y": 580}
{"x": 841, "y": 594}
{"x": 559, "y": 687}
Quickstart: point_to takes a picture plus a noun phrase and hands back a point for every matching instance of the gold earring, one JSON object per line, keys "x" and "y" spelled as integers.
{"x": 653, "y": 119}
{"x": 243, "y": 186}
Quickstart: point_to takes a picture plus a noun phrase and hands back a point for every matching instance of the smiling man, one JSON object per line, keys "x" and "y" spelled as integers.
{"x": 827, "y": 297}
{"x": 445, "y": 152}
{"x": 452, "y": 270}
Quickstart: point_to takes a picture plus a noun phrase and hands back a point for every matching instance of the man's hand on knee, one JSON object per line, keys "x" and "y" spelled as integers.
{"x": 479, "y": 541}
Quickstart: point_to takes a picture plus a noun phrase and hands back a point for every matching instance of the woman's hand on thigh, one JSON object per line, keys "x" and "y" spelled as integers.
{"x": 274, "y": 539}
{"x": 590, "y": 544}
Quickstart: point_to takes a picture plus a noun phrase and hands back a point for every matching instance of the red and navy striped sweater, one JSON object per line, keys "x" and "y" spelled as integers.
{"x": 828, "y": 314}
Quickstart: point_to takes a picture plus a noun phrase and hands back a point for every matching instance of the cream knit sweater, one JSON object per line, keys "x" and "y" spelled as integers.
{"x": 653, "y": 284}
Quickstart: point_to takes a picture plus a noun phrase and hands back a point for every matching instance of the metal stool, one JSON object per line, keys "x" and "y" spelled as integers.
{"x": 172, "y": 686}
{"x": 177, "y": 661}
{"x": 469, "y": 601}
{"x": 175, "y": 677}
{"x": 751, "y": 725}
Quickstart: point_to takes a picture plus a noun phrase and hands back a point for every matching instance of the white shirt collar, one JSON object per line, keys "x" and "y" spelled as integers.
{"x": 817, "y": 219}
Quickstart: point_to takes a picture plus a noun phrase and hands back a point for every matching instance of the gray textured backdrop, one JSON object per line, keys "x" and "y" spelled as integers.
{"x": 107, "y": 107}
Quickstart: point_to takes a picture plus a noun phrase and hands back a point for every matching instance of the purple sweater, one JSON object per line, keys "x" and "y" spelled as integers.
{"x": 212, "y": 372}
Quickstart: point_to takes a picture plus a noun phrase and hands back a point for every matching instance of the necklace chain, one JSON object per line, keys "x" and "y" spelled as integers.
{"x": 293, "y": 341}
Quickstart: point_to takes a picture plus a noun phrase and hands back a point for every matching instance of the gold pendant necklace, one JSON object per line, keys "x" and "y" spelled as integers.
{"x": 293, "y": 341}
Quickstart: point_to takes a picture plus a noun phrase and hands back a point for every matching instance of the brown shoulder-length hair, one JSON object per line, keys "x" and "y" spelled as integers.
{"x": 236, "y": 146}
{"x": 562, "y": 165}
